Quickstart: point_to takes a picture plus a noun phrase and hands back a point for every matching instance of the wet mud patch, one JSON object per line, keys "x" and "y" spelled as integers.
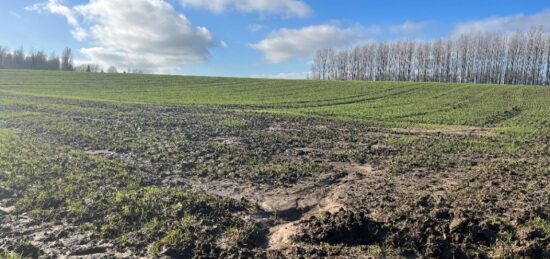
{"x": 342, "y": 227}
{"x": 287, "y": 203}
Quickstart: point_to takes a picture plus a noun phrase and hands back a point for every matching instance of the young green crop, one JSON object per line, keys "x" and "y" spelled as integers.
{"x": 505, "y": 108}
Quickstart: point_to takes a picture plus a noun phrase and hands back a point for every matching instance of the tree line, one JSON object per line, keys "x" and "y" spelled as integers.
{"x": 38, "y": 60}
{"x": 483, "y": 57}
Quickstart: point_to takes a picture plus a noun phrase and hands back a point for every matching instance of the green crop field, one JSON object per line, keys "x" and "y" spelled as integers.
{"x": 410, "y": 104}
{"x": 129, "y": 165}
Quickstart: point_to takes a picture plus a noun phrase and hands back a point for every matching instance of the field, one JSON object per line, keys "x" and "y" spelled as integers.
{"x": 121, "y": 165}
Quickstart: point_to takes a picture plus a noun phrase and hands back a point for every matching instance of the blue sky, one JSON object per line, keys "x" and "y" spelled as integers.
{"x": 242, "y": 37}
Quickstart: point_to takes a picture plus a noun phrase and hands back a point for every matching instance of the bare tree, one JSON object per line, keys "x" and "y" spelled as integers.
{"x": 87, "y": 68}
{"x": 112, "y": 70}
{"x": 67, "y": 60}
{"x": 3, "y": 57}
{"x": 53, "y": 62}
{"x": 548, "y": 60}
{"x": 19, "y": 59}
{"x": 518, "y": 58}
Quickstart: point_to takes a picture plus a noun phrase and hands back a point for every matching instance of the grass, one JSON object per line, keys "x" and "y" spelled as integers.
{"x": 59, "y": 183}
{"x": 543, "y": 225}
{"x": 506, "y": 108}
{"x": 10, "y": 256}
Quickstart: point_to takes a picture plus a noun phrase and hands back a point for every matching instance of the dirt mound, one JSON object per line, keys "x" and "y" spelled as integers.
{"x": 342, "y": 227}
{"x": 430, "y": 227}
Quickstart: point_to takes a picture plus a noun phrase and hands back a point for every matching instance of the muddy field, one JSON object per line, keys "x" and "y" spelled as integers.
{"x": 90, "y": 179}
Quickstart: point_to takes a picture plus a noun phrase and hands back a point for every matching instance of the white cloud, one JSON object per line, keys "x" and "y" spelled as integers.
{"x": 143, "y": 34}
{"x": 287, "y": 8}
{"x": 287, "y": 44}
{"x": 290, "y": 76}
{"x": 410, "y": 28}
{"x": 513, "y": 23}
{"x": 55, "y": 7}
{"x": 374, "y": 29}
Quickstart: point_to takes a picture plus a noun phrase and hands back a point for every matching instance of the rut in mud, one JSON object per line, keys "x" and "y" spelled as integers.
{"x": 134, "y": 180}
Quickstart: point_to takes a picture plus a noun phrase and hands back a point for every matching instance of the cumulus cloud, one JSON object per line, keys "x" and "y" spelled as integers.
{"x": 287, "y": 44}
{"x": 144, "y": 34}
{"x": 287, "y": 8}
{"x": 410, "y": 28}
{"x": 513, "y": 23}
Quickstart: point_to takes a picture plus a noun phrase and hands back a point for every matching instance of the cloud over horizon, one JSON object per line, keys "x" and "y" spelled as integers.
{"x": 286, "y": 44}
{"x": 505, "y": 24}
{"x": 126, "y": 37}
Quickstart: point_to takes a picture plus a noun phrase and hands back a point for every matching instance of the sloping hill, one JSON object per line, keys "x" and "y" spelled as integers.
{"x": 396, "y": 104}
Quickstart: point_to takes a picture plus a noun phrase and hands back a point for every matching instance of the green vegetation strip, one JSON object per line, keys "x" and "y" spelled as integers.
{"x": 504, "y": 108}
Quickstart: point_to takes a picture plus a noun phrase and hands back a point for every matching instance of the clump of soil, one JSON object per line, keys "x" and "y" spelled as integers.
{"x": 342, "y": 227}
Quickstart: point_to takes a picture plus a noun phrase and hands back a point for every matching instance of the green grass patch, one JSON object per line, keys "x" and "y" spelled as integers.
{"x": 509, "y": 109}
{"x": 543, "y": 225}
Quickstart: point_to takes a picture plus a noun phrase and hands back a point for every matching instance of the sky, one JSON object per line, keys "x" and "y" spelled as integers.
{"x": 243, "y": 38}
